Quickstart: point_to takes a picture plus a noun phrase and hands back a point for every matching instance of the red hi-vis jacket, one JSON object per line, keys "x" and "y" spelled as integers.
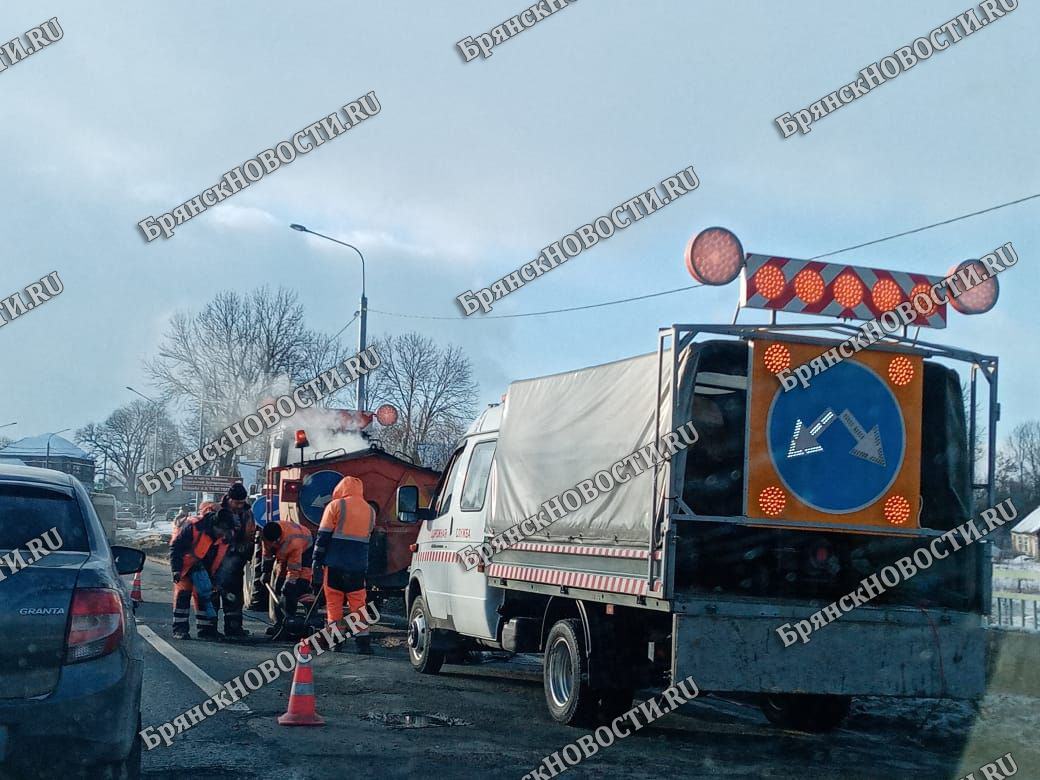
{"x": 194, "y": 545}
{"x": 346, "y": 524}
{"x": 290, "y": 550}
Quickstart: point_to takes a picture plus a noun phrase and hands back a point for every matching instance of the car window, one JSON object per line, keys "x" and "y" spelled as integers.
{"x": 475, "y": 488}
{"x": 28, "y": 512}
{"x": 444, "y": 503}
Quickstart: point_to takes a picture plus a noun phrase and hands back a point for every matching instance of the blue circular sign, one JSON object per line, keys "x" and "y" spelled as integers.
{"x": 839, "y": 443}
{"x": 260, "y": 511}
{"x": 316, "y": 492}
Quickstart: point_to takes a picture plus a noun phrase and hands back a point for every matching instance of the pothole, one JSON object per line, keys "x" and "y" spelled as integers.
{"x": 413, "y": 720}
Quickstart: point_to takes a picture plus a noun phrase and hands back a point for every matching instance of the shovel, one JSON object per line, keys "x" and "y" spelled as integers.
{"x": 293, "y": 625}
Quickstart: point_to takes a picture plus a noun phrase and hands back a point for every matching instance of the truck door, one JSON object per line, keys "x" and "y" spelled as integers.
{"x": 474, "y": 606}
{"x": 433, "y": 557}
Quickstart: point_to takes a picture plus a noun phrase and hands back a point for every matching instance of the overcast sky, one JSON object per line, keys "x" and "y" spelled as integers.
{"x": 470, "y": 169}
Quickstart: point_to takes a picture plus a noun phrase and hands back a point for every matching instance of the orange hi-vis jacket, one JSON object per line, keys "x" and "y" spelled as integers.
{"x": 193, "y": 545}
{"x": 290, "y": 550}
{"x": 346, "y": 525}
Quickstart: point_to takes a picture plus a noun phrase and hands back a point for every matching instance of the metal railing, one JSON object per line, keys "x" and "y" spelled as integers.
{"x": 1012, "y": 613}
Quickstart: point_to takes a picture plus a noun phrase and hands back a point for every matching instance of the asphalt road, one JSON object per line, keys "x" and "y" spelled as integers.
{"x": 383, "y": 721}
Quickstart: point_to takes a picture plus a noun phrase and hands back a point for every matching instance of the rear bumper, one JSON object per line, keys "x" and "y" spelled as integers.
{"x": 734, "y": 646}
{"x": 92, "y": 714}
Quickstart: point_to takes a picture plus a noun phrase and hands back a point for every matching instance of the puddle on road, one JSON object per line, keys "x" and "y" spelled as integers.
{"x": 413, "y": 720}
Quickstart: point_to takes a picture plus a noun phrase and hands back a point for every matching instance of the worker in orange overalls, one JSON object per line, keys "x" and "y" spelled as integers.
{"x": 342, "y": 546}
{"x": 201, "y": 542}
{"x": 291, "y": 545}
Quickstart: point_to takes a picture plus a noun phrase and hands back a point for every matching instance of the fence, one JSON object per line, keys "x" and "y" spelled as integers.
{"x": 1015, "y": 612}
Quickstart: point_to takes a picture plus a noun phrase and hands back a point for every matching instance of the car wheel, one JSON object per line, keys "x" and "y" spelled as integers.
{"x": 806, "y": 712}
{"x": 423, "y": 657}
{"x": 565, "y": 675}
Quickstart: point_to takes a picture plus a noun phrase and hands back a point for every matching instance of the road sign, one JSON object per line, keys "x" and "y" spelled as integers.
{"x": 828, "y": 458}
{"x": 197, "y": 483}
{"x": 316, "y": 492}
{"x": 844, "y": 450}
{"x": 260, "y": 511}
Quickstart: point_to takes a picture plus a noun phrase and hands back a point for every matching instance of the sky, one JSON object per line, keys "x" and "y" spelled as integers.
{"x": 470, "y": 169}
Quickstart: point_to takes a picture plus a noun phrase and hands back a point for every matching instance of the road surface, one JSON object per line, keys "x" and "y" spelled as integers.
{"x": 498, "y": 726}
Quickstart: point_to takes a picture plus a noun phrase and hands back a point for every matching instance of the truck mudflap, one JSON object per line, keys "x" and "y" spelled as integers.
{"x": 898, "y": 651}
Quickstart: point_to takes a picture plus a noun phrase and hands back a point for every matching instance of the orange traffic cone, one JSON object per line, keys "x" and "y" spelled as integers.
{"x": 135, "y": 590}
{"x": 301, "y": 698}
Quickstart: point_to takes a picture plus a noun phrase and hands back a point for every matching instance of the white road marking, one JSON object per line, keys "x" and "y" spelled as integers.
{"x": 206, "y": 684}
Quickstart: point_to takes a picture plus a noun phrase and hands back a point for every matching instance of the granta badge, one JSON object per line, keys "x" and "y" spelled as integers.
{"x": 42, "y": 611}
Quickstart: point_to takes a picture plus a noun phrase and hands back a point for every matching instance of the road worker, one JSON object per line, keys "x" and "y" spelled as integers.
{"x": 231, "y": 575}
{"x": 179, "y": 522}
{"x": 342, "y": 546}
{"x": 201, "y": 542}
{"x": 291, "y": 545}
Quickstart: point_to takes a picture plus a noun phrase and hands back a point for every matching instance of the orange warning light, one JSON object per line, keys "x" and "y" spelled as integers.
{"x": 770, "y": 281}
{"x": 772, "y": 500}
{"x": 777, "y": 357}
{"x": 926, "y": 290}
{"x": 900, "y": 370}
{"x": 897, "y": 510}
{"x": 886, "y": 294}
{"x": 848, "y": 290}
{"x": 808, "y": 285}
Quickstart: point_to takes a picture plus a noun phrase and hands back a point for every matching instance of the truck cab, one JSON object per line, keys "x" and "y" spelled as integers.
{"x": 451, "y": 597}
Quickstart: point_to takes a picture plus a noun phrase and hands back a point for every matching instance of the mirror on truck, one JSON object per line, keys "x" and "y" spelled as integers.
{"x": 407, "y": 504}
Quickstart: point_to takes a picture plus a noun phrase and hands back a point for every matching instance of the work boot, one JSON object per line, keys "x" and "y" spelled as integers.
{"x": 179, "y": 633}
{"x": 210, "y": 634}
{"x": 236, "y": 632}
{"x": 364, "y": 645}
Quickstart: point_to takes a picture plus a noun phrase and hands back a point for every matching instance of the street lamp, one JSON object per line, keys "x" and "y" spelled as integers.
{"x": 8, "y": 425}
{"x": 362, "y": 383}
{"x": 155, "y": 437}
{"x": 47, "y": 462}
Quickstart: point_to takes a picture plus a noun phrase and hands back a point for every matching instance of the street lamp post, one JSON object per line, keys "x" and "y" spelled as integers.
{"x": 47, "y": 461}
{"x": 155, "y": 437}
{"x": 362, "y": 383}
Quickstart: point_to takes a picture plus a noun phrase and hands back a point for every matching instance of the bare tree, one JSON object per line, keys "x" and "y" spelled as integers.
{"x": 126, "y": 440}
{"x": 433, "y": 390}
{"x": 4, "y": 441}
{"x": 238, "y": 351}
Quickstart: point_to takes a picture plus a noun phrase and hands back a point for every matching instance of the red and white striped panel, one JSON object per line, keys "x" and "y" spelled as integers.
{"x": 437, "y": 556}
{"x": 573, "y": 579}
{"x": 602, "y": 552}
{"x": 832, "y": 289}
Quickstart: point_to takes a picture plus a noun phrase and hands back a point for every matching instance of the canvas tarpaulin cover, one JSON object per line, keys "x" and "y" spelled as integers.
{"x": 559, "y": 430}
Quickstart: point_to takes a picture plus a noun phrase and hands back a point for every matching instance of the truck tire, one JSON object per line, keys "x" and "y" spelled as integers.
{"x": 805, "y": 711}
{"x": 421, "y": 653}
{"x": 565, "y": 676}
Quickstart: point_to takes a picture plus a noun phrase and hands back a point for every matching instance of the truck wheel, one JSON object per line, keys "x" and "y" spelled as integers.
{"x": 565, "y": 675}
{"x": 421, "y": 654}
{"x": 806, "y": 712}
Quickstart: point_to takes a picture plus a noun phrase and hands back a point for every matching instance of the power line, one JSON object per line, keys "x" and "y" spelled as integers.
{"x": 692, "y": 286}
{"x": 547, "y": 311}
{"x": 347, "y": 325}
{"x": 928, "y": 227}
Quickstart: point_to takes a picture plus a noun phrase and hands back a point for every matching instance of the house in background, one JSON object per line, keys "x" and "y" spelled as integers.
{"x": 64, "y": 456}
{"x": 1025, "y": 536}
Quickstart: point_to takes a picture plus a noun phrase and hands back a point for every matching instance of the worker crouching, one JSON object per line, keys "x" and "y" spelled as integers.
{"x": 291, "y": 546}
{"x": 199, "y": 548}
{"x": 342, "y": 549}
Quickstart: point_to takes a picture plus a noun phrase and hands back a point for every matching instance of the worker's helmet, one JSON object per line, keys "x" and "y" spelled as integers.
{"x": 272, "y": 531}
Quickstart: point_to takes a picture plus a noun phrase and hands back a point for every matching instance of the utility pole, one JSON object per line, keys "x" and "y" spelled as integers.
{"x": 362, "y": 381}
{"x": 155, "y": 438}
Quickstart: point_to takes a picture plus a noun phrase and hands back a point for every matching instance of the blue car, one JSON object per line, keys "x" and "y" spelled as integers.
{"x": 71, "y": 660}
